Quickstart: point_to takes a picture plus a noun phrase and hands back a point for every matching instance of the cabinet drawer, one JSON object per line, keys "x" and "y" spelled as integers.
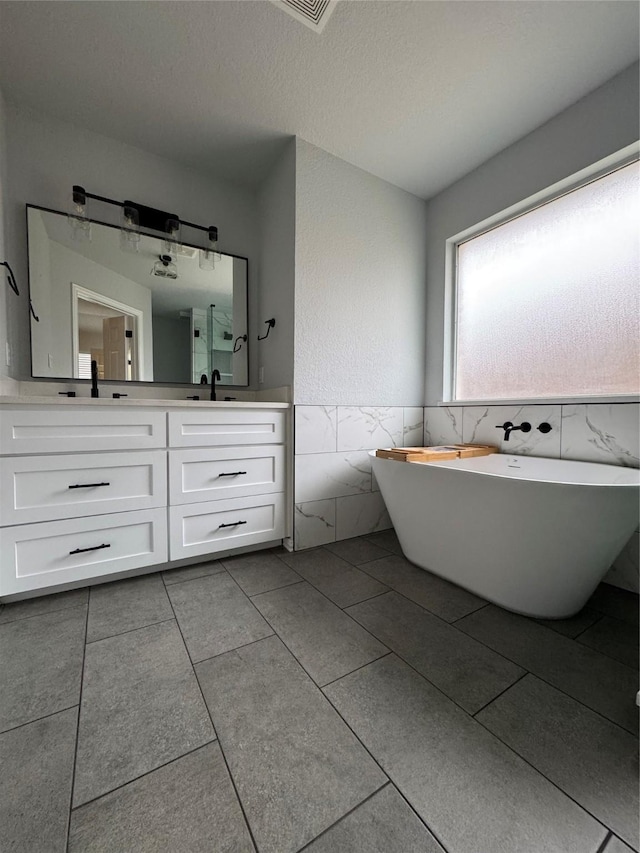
{"x": 48, "y": 430}
{"x": 44, "y": 488}
{"x": 34, "y": 556}
{"x": 205, "y": 528}
{"x": 226, "y": 427}
{"x": 222, "y": 473}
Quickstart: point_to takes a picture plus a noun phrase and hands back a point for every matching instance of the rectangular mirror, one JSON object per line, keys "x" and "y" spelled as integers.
{"x": 142, "y": 315}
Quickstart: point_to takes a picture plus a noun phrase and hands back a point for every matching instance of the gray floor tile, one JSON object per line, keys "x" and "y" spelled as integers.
{"x": 296, "y": 765}
{"x": 322, "y": 637}
{"x": 188, "y": 573}
{"x": 468, "y": 672}
{"x": 215, "y": 616}
{"x": 337, "y": 579}
{"x": 575, "y": 624}
{"x": 124, "y": 605}
{"x": 615, "y": 638}
{"x": 141, "y": 707}
{"x": 188, "y": 806}
{"x": 44, "y": 604}
{"x": 383, "y": 824}
{"x": 619, "y": 603}
{"x": 356, "y": 551}
{"x": 386, "y": 539}
{"x": 445, "y": 599}
{"x": 473, "y": 792}
{"x": 614, "y": 845}
{"x": 35, "y": 784}
{"x": 260, "y": 572}
{"x": 40, "y": 665}
{"x": 597, "y": 681}
{"x": 591, "y": 759}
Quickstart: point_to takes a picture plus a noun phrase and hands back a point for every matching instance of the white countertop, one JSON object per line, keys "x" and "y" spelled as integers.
{"x": 127, "y": 402}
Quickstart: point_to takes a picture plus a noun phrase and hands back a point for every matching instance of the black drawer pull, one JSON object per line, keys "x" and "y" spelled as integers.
{"x": 232, "y": 474}
{"x": 95, "y": 548}
{"x": 88, "y": 485}
{"x": 235, "y": 524}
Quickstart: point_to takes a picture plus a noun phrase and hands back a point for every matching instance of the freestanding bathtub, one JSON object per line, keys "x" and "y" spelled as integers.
{"x": 533, "y": 535}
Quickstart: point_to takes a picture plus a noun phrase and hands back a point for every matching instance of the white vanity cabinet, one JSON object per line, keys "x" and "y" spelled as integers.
{"x": 226, "y": 480}
{"x": 83, "y": 493}
{"x": 98, "y": 488}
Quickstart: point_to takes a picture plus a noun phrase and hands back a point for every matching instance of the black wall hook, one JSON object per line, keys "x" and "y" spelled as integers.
{"x": 270, "y": 323}
{"x": 10, "y": 278}
{"x": 13, "y": 285}
{"x": 237, "y": 347}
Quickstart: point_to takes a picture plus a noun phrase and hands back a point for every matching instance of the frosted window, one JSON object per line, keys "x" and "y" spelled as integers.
{"x": 548, "y": 303}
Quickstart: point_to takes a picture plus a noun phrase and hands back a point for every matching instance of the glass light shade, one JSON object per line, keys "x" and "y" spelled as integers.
{"x": 171, "y": 242}
{"x": 130, "y": 229}
{"x": 207, "y": 259}
{"x": 80, "y": 225}
{"x": 80, "y": 228}
{"x": 164, "y": 267}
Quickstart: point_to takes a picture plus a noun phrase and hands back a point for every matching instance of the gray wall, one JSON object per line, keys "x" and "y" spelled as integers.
{"x": 5, "y": 294}
{"x": 277, "y": 204}
{"x": 360, "y": 286}
{"x": 47, "y": 157}
{"x": 171, "y": 348}
{"x": 359, "y": 340}
{"x": 598, "y": 125}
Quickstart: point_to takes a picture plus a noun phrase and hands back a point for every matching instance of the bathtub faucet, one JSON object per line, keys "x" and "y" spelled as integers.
{"x": 508, "y": 428}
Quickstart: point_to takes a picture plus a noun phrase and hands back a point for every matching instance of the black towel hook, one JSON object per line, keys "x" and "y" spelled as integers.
{"x": 13, "y": 285}
{"x": 270, "y": 323}
{"x": 10, "y": 278}
{"x": 236, "y": 347}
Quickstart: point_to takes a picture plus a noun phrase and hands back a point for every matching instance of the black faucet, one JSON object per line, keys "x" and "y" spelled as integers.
{"x": 215, "y": 375}
{"x": 94, "y": 379}
{"x": 508, "y": 428}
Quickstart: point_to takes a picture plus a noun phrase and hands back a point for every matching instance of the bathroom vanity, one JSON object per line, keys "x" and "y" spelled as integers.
{"x": 92, "y": 489}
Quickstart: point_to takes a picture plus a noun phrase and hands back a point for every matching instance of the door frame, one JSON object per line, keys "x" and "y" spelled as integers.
{"x": 79, "y": 292}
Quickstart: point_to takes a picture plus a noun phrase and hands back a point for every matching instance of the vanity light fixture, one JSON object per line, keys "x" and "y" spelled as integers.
{"x": 207, "y": 259}
{"x": 138, "y": 216}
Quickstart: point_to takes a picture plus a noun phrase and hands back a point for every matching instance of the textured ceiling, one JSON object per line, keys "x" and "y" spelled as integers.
{"x": 418, "y": 93}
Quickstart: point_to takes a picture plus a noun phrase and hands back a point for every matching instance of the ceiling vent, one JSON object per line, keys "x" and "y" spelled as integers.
{"x": 313, "y": 13}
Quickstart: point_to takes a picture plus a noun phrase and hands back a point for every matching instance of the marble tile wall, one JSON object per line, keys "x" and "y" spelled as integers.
{"x": 336, "y": 496}
{"x": 608, "y": 433}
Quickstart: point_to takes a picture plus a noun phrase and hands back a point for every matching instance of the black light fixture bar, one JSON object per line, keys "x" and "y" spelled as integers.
{"x": 149, "y": 217}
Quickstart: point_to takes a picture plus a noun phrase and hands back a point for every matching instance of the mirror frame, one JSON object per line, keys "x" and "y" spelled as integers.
{"x": 146, "y": 383}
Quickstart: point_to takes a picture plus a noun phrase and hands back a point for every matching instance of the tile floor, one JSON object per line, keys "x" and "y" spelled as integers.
{"x": 334, "y": 701}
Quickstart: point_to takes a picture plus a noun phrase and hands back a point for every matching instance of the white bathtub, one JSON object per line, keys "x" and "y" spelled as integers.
{"x": 533, "y": 535}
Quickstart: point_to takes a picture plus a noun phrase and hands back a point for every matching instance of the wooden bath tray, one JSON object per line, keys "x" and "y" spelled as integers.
{"x": 438, "y": 452}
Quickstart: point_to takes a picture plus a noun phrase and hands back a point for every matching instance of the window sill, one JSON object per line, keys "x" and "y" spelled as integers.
{"x": 550, "y": 401}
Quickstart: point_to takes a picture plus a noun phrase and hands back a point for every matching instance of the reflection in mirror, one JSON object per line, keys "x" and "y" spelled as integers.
{"x": 140, "y": 314}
